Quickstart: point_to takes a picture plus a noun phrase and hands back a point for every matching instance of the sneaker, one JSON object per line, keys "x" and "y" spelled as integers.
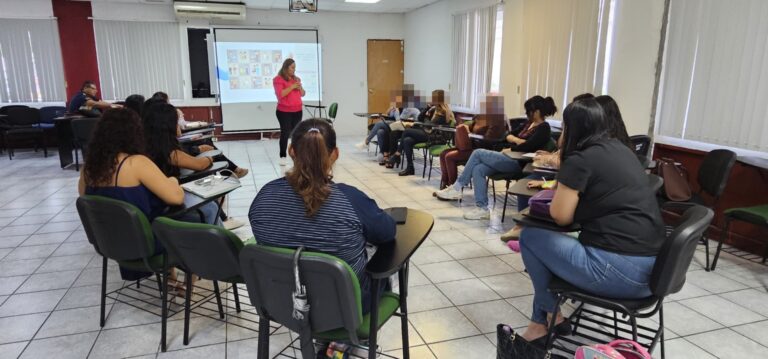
{"x": 477, "y": 213}
{"x": 513, "y": 233}
{"x": 283, "y": 161}
{"x": 449, "y": 194}
{"x": 362, "y": 146}
{"x": 232, "y": 223}
{"x": 514, "y": 246}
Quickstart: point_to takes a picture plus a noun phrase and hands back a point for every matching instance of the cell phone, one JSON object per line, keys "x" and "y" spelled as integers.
{"x": 399, "y": 214}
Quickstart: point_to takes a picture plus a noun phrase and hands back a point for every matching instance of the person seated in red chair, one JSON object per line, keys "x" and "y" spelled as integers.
{"x": 87, "y": 103}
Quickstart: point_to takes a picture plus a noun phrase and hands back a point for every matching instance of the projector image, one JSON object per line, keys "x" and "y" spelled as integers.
{"x": 306, "y": 6}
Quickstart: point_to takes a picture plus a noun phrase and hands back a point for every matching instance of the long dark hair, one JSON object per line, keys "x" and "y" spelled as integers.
{"x": 135, "y": 102}
{"x": 583, "y": 125}
{"x": 118, "y": 131}
{"x": 160, "y": 121}
{"x": 312, "y": 142}
{"x": 545, "y": 106}
{"x": 614, "y": 121}
{"x": 284, "y": 69}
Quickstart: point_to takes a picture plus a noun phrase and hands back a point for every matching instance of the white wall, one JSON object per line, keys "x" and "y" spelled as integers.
{"x": 20, "y": 9}
{"x": 632, "y": 75}
{"x": 512, "y": 57}
{"x": 343, "y": 36}
{"x": 429, "y": 43}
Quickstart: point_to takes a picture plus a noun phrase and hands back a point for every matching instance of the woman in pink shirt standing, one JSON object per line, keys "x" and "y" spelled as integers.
{"x": 289, "y": 92}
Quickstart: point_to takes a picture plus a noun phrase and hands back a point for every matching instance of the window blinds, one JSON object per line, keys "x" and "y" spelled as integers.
{"x": 138, "y": 58}
{"x": 474, "y": 34}
{"x": 30, "y": 61}
{"x": 714, "y": 79}
{"x": 565, "y": 45}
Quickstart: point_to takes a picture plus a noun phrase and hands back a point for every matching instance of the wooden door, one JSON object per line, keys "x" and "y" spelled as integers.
{"x": 385, "y": 72}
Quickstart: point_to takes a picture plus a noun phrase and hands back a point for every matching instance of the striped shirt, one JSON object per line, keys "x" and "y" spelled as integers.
{"x": 345, "y": 222}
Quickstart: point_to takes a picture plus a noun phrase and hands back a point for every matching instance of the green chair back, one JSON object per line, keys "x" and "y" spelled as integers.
{"x": 332, "y": 110}
{"x": 209, "y": 251}
{"x": 551, "y": 146}
{"x": 117, "y": 230}
{"x": 332, "y": 288}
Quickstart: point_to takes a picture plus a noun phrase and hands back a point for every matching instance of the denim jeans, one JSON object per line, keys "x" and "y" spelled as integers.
{"x": 546, "y": 253}
{"x": 209, "y": 210}
{"x": 481, "y": 164}
{"x": 378, "y": 126}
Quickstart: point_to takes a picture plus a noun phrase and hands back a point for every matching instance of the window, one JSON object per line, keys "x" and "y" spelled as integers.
{"x": 496, "y": 69}
{"x": 476, "y": 44}
{"x": 138, "y": 58}
{"x": 198, "y": 62}
{"x": 565, "y": 44}
{"x": 714, "y": 79}
{"x": 30, "y": 62}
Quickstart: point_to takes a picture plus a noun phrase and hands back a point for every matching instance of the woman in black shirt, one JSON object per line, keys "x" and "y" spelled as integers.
{"x": 602, "y": 187}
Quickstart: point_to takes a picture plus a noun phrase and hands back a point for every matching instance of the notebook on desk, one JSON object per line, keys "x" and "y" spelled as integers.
{"x": 212, "y": 185}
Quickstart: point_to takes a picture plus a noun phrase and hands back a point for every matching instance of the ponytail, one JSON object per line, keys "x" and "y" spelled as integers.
{"x": 545, "y": 106}
{"x": 312, "y": 142}
{"x": 549, "y": 107}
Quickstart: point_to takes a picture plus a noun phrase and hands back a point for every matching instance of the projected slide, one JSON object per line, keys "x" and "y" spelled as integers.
{"x": 246, "y": 69}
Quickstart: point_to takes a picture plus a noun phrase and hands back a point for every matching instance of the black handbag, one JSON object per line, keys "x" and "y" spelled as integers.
{"x": 509, "y": 345}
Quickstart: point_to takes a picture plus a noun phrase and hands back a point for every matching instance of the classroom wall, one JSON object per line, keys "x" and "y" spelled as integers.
{"x": 78, "y": 45}
{"x": 343, "y": 36}
{"x": 20, "y": 9}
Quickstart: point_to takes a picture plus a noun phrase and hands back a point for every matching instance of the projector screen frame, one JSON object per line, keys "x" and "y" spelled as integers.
{"x": 273, "y": 28}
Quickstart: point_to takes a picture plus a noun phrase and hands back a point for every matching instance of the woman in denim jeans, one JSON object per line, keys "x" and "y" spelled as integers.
{"x": 602, "y": 187}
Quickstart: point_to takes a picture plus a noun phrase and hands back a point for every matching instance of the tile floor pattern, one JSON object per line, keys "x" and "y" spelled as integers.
{"x": 463, "y": 280}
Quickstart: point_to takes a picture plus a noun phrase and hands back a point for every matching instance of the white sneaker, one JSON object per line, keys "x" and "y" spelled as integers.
{"x": 449, "y": 194}
{"x": 283, "y": 161}
{"x": 477, "y": 213}
{"x": 232, "y": 223}
{"x": 361, "y": 146}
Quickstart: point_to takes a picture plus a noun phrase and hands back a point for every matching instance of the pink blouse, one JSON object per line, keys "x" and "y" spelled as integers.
{"x": 290, "y": 102}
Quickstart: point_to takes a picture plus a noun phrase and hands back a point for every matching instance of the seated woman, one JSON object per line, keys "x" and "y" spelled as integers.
{"x": 528, "y": 137}
{"x": 162, "y": 147}
{"x": 115, "y": 167}
{"x": 439, "y": 114}
{"x": 603, "y": 188}
{"x": 381, "y": 130}
{"x": 135, "y": 102}
{"x": 306, "y": 208}
{"x": 491, "y": 125}
{"x": 162, "y": 97}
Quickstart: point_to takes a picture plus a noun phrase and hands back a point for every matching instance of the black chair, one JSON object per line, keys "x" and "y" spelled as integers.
{"x": 508, "y": 178}
{"x": 23, "y": 123}
{"x": 642, "y": 144}
{"x": 208, "y": 251}
{"x": 668, "y": 277}
{"x": 120, "y": 231}
{"x": 82, "y": 131}
{"x": 48, "y": 113}
{"x": 712, "y": 179}
{"x": 332, "y": 291}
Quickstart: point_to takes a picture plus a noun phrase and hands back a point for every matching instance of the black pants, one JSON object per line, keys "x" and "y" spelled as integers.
{"x": 411, "y": 137}
{"x": 288, "y": 120}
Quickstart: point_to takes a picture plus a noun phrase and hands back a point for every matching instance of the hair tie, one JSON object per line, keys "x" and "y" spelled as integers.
{"x": 314, "y": 129}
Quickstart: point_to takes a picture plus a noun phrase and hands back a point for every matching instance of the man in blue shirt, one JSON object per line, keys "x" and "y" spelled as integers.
{"x": 86, "y": 102}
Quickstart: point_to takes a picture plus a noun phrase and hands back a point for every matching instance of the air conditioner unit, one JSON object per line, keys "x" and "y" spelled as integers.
{"x": 209, "y": 10}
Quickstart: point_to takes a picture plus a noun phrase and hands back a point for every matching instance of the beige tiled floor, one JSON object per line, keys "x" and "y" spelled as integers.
{"x": 463, "y": 280}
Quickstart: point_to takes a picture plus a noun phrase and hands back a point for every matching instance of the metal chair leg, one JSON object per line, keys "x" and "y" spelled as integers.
{"x": 262, "y": 351}
{"x": 237, "y": 297}
{"x": 187, "y": 300}
{"x": 723, "y": 235}
{"x": 103, "y": 291}
{"x": 218, "y": 298}
{"x": 164, "y": 299}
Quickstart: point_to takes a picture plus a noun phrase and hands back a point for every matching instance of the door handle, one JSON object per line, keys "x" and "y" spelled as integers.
{"x": 370, "y": 91}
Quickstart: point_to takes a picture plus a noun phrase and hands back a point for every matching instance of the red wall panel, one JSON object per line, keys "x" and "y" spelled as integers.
{"x": 78, "y": 44}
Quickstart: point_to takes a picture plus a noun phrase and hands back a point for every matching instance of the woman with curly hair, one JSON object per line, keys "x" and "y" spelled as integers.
{"x": 115, "y": 167}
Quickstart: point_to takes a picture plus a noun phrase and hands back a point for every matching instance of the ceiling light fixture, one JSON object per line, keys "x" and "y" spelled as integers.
{"x": 363, "y": 1}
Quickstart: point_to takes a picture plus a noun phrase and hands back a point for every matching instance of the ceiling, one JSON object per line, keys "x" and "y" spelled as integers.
{"x": 388, "y": 6}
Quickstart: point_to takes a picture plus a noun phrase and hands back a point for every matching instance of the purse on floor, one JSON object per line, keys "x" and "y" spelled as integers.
{"x": 509, "y": 345}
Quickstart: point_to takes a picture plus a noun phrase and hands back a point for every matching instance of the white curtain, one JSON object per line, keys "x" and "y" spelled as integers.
{"x": 474, "y": 33}
{"x": 30, "y": 61}
{"x": 564, "y": 46}
{"x": 715, "y": 74}
{"x": 138, "y": 58}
